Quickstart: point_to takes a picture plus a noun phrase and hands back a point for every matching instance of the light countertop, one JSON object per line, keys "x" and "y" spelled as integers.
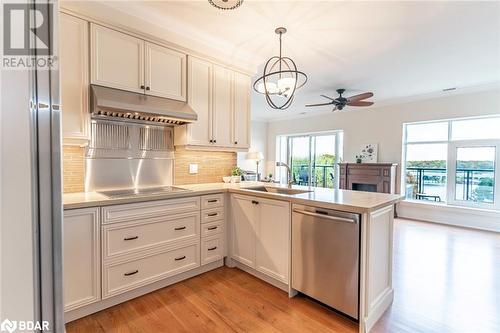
{"x": 345, "y": 200}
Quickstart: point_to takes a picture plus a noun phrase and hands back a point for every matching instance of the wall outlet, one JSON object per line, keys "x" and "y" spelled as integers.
{"x": 193, "y": 168}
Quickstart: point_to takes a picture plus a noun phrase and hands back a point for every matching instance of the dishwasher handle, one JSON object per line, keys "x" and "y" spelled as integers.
{"x": 324, "y": 216}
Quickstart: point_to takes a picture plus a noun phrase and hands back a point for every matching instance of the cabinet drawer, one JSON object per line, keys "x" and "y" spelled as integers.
{"x": 127, "y": 275}
{"x": 211, "y": 215}
{"x": 212, "y": 249}
{"x": 212, "y": 201}
{"x": 124, "y": 238}
{"x": 212, "y": 228}
{"x": 134, "y": 211}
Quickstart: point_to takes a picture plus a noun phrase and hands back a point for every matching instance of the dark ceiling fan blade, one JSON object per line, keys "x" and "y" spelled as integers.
{"x": 360, "y": 103}
{"x": 360, "y": 97}
{"x": 321, "y": 104}
{"x": 332, "y": 99}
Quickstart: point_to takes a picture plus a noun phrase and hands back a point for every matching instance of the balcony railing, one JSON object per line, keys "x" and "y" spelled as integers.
{"x": 322, "y": 175}
{"x": 430, "y": 184}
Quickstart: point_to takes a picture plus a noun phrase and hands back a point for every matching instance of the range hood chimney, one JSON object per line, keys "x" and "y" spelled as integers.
{"x": 119, "y": 105}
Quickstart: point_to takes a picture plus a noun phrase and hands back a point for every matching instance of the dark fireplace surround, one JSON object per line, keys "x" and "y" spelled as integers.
{"x": 369, "y": 177}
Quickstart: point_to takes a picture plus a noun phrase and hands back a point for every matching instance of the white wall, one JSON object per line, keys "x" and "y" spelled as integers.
{"x": 384, "y": 125}
{"x": 258, "y": 143}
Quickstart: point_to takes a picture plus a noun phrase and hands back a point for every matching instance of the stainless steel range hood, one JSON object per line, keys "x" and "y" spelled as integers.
{"x": 114, "y": 104}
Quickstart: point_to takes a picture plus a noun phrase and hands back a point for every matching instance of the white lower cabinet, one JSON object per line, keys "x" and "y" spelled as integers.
{"x": 131, "y": 273}
{"x": 212, "y": 248}
{"x": 261, "y": 234}
{"x": 81, "y": 266}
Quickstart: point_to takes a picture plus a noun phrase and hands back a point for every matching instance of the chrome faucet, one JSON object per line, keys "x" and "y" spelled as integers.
{"x": 289, "y": 173}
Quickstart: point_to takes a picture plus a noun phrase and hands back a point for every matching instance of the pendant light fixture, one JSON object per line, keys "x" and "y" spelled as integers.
{"x": 226, "y": 4}
{"x": 280, "y": 79}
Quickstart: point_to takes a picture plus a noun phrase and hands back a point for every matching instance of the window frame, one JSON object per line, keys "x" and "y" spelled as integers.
{"x": 451, "y": 173}
{"x": 289, "y": 137}
{"x": 451, "y": 162}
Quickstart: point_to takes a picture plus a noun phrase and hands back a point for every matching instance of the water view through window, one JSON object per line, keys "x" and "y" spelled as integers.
{"x": 454, "y": 162}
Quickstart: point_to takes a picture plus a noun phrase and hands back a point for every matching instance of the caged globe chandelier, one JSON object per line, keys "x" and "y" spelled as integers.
{"x": 226, "y": 4}
{"x": 280, "y": 78}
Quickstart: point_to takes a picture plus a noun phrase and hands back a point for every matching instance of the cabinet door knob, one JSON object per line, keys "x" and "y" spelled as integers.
{"x": 215, "y": 141}
{"x": 147, "y": 88}
{"x": 142, "y": 87}
{"x": 235, "y": 142}
{"x": 211, "y": 141}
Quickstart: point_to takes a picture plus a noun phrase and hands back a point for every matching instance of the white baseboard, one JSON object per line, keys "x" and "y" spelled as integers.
{"x": 452, "y": 215}
{"x": 377, "y": 310}
{"x": 270, "y": 280}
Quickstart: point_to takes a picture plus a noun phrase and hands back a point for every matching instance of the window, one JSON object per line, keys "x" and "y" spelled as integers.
{"x": 311, "y": 157}
{"x": 454, "y": 162}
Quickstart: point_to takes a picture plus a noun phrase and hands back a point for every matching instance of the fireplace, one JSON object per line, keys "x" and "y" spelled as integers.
{"x": 364, "y": 187}
{"x": 369, "y": 177}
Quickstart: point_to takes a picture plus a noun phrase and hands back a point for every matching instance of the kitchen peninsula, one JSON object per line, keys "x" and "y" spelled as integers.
{"x": 118, "y": 248}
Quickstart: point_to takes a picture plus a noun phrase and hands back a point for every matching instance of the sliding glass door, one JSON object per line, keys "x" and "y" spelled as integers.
{"x": 312, "y": 158}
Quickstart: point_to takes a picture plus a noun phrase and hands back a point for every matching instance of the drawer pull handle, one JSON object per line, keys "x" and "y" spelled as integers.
{"x": 131, "y": 273}
{"x": 212, "y": 200}
{"x": 212, "y": 248}
{"x": 212, "y": 228}
{"x": 180, "y": 258}
{"x": 213, "y": 214}
{"x": 179, "y": 228}
{"x": 130, "y": 238}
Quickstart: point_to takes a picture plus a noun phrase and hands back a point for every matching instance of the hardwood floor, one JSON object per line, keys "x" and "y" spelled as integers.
{"x": 446, "y": 279}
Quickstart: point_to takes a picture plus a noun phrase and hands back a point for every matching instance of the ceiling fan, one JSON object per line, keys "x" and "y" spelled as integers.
{"x": 340, "y": 102}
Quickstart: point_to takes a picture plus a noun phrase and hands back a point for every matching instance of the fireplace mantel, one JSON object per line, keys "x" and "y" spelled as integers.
{"x": 371, "y": 177}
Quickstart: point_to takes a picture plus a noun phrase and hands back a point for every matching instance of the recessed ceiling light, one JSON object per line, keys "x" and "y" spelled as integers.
{"x": 450, "y": 89}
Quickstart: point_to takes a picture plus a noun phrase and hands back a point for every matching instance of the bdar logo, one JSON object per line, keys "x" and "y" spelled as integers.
{"x": 8, "y": 326}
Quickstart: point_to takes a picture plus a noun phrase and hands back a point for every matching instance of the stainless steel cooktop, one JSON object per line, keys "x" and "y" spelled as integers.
{"x": 133, "y": 192}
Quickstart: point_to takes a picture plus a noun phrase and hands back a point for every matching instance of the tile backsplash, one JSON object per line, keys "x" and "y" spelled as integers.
{"x": 212, "y": 166}
{"x": 73, "y": 169}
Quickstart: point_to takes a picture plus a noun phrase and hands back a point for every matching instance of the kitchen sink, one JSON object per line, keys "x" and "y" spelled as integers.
{"x": 280, "y": 190}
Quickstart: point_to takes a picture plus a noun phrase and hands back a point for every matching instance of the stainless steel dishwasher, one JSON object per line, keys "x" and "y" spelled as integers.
{"x": 325, "y": 256}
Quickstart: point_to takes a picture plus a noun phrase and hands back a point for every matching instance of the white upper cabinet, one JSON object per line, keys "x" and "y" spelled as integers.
{"x": 222, "y": 108}
{"x": 165, "y": 72}
{"x": 125, "y": 62}
{"x": 117, "y": 59}
{"x": 198, "y": 133}
{"x": 74, "y": 78}
{"x": 241, "y": 110}
{"x": 221, "y": 98}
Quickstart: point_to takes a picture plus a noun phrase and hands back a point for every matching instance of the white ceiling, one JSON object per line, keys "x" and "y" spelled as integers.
{"x": 394, "y": 49}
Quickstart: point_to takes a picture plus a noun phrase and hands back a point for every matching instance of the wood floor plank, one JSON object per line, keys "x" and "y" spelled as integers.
{"x": 446, "y": 280}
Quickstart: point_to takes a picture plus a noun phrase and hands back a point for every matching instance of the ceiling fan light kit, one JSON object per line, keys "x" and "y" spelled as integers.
{"x": 280, "y": 78}
{"x": 340, "y": 102}
{"x": 226, "y": 4}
